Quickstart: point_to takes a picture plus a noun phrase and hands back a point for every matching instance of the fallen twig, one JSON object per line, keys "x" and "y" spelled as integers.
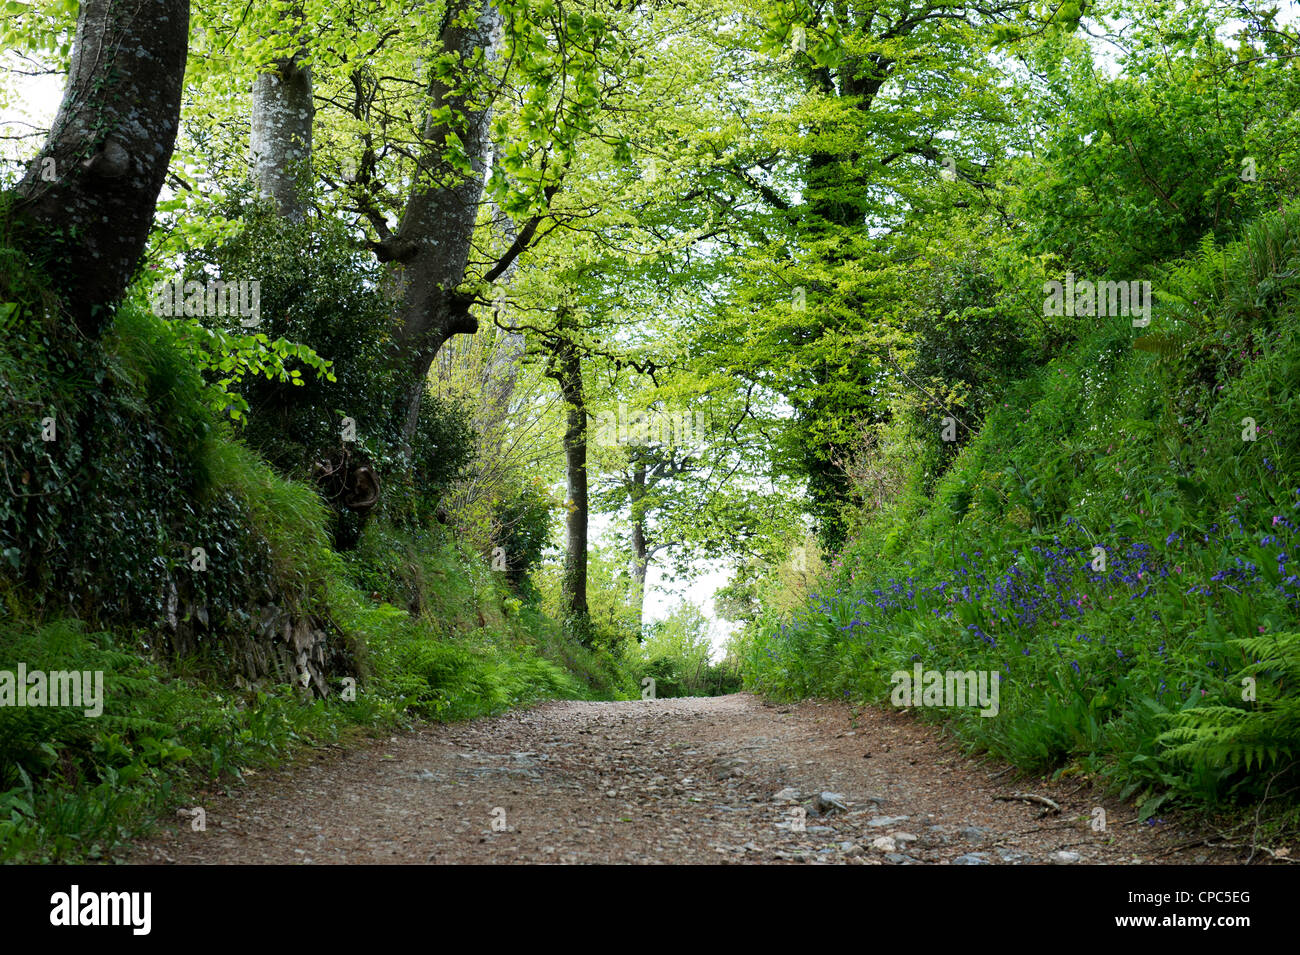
{"x": 1030, "y": 797}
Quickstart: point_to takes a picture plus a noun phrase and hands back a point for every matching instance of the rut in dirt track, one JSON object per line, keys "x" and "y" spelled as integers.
{"x": 697, "y": 780}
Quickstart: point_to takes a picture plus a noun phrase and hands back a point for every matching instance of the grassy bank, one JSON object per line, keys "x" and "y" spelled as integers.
{"x": 1117, "y": 543}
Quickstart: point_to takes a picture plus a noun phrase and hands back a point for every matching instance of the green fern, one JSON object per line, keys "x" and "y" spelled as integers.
{"x": 1164, "y": 344}
{"x": 1259, "y": 734}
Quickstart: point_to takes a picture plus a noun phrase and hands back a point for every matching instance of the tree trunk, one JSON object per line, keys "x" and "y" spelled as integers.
{"x": 566, "y": 368}
{"x": 281, "y": 134}
{"x": 640, "y": 558}
{"x": 431, "y": 246}
{"x": 86, "y": 203}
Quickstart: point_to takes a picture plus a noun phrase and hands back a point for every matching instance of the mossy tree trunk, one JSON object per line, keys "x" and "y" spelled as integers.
{"x": 86, "y": 203}
{"x": 565, "y": 366}
{"x": 280, "y": 140}
{"x": 429, "y": 250}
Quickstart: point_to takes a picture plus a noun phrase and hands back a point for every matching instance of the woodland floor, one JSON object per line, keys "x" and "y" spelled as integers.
{"x": 698, "y": 780}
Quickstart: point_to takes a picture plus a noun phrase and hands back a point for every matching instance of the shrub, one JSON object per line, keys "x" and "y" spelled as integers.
{"x": 523, "y": 523}
{"x": 319, "y": 291}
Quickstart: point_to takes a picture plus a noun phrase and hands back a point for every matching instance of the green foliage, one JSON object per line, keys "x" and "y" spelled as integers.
{"x": 102, "y": 515}
{"x": 286, "y": 515}
{"x": 138, "y": 471}
{"x": 826, "y": 226}
{"x": 441, "y": 451}
{"x": 439, "y": 680}
{"x": 610, "y": 626}
{"x": 525, "y": 524}
{"x": 28, "y": 735}
{"x": 74, "y": 788}
{"x": 1191, "y": 138}
{"x": 231, "y": 359}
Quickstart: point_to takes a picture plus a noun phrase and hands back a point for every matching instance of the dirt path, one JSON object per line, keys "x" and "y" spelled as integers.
{"x": 683, "y": 781}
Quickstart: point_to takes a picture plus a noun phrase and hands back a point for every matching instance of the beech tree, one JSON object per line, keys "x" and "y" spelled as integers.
{"x": 86, "y": 204}
{"x": 281, "y": 127}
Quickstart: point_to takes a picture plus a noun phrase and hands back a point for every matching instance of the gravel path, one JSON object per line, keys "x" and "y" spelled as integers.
{"x": 699, "y": 780}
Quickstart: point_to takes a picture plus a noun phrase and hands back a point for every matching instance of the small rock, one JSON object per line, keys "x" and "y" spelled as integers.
{"x": 789, "y": 794}
{"x": 971, "y": 858}
{"x": 729, "y": 768}
{"x": 884, "y": 844}
{"x": 880, "y": 822}
{"x": 974, "y": 833}
{"x": 903, "y": 837}
{"x": 1065, "y": 857}
{"x": 828, "y": 802}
